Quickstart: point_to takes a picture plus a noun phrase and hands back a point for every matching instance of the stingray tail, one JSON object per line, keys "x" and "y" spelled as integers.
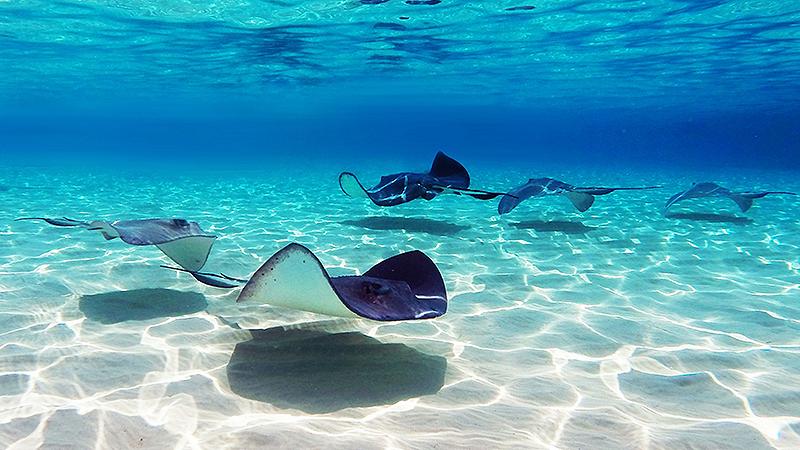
{"x": 219, "y": 280}
{"x": 58, "y": 222}
{"x": 476, "y": 193}
{"x": 638, "y": 188}
{"x": 608, "y": 190}
{"x": 763, "y": 194}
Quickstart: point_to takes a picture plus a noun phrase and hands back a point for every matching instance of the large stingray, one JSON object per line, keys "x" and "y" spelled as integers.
{"x": 581, "y": 197}
{"x": 446, "y": 175}
{"x": 701, "y": 190}
{"x": 407, "y": 286}
{"x": 182, "y": 241}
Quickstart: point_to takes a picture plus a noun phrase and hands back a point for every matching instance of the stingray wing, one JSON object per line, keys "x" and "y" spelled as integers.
{"x": 580, "y": 200}
{"x": 391, "y": 190}
{"x": 674, "y": 199}
{"x": 449, "y": 172}
{"x": 743, "y": 202}
{"x": 349, "y": 184}
{"x": 190, "y": 252}
{"x": 583, "y": 197}
{"x": 414, "y": 270}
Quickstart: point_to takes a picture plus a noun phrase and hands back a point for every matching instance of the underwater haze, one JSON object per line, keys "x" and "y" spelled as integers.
{"x": 622, "y": 326}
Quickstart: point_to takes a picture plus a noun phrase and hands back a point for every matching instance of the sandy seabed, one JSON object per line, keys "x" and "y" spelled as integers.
{"x": 615, "y": 328}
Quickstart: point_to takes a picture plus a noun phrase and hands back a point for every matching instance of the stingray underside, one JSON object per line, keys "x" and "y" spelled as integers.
{"x": 581, "y": 200}
{"x": 350, "y": 185}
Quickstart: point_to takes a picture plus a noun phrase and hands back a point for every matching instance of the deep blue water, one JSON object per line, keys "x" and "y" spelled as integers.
{"x": 681, "y": 83}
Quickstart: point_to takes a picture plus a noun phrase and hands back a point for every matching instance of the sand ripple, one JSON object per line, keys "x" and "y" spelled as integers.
{"x": 617, "y": 328}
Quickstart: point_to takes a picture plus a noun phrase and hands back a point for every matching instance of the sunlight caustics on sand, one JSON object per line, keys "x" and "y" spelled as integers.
{"x": 615, "y": 328}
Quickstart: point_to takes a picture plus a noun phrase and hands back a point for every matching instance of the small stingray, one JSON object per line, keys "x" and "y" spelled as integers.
{"x": 446, "y": 175}
{"x": 407, "y": 286}
{"x": 182, "y": 241}
{"x": 581, "y": 197}
{"x": 702, "y": 190}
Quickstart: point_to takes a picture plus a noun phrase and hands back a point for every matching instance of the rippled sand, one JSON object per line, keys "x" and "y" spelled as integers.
{"x": 616, "y": 328}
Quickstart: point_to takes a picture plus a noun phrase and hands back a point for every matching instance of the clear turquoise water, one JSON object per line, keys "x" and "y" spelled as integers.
{"x": 564, "y": 52}
{"x": 617, "y": 328}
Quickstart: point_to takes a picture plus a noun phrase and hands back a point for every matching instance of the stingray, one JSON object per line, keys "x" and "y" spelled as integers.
{"x": 701, "y": 190}
{"x": 182, "y": 241}
{"x": 446, "y": 175}
{"x": 407, "y": 286}
{"x": 581, "y": 197}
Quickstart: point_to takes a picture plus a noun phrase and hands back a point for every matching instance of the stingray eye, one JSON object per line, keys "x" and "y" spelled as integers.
{"x": 181, "y": 222}
{"x": 381, "y": 289}
{"x": 372, "y": 288}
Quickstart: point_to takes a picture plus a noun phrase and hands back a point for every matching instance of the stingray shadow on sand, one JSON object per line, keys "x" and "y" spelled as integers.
{"x": 411, "y": 224}
{"x": 553, "y": 226}
{"x": 711, "y": 218}
{"x": 319, "y": 372}
{"x": 140, "y": 304}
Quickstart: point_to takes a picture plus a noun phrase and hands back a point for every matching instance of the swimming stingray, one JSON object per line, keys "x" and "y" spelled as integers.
{"x": 407, "y": 286}
{"x": 182, "y": 241}
{"x": 446, "y": 175}
{"x": 700, "y": 190}
{"x": 581, "y": 197}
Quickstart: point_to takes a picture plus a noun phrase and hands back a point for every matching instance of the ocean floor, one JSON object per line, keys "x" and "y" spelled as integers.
{"x": 615, "y": 328}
